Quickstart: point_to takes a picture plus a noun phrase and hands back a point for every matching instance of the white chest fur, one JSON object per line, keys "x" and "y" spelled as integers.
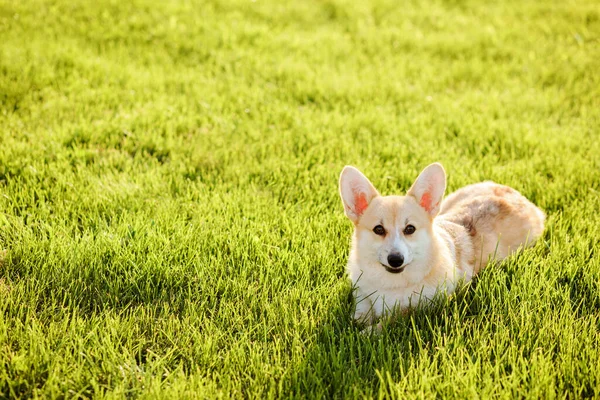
{"x": 378, "y": 291}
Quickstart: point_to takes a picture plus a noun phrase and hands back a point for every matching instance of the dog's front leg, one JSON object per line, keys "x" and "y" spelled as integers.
{"x": 363, "y": 313}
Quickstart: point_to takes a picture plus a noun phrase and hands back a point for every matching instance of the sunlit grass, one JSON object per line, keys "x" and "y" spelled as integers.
{"x": 169, "y": 218}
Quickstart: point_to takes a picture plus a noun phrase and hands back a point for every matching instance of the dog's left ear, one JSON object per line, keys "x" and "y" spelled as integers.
{"x": 429, "y": 188}
{"x": 356, "y": 191}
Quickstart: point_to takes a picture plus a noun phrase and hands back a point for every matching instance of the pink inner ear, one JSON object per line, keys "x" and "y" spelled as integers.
{"x": 426, "y": 201}
{"x": 361, "y": 203}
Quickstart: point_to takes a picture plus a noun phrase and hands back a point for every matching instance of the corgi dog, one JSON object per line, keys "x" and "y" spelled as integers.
{"x": 405, "y": 249}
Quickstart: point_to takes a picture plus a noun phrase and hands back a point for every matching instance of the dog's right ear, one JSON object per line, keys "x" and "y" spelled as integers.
{"x": 356, "y": 191}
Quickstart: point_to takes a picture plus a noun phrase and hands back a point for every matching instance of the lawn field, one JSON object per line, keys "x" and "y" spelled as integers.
{"x": 170, "y": 224}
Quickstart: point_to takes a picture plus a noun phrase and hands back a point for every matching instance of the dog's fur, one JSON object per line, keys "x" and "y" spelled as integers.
{"x": 453, "y": 240}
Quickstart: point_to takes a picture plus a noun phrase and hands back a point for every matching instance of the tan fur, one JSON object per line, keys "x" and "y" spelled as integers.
{"x": 478, "y": 223}
{"x": 498, "y": 219}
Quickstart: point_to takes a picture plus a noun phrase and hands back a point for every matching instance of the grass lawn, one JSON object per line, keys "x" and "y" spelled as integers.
{"x": 170, "y": 224}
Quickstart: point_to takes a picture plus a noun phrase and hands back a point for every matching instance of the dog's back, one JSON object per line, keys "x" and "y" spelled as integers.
{"x": 498, "y": 219}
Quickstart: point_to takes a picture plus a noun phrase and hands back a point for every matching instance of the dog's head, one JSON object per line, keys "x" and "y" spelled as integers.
{"x": 393, "y": 232}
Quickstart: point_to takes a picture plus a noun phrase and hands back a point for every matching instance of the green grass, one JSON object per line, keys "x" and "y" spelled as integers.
{"x": 169, "y": 215}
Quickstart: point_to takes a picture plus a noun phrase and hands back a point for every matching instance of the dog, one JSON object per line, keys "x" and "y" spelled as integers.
{"x": 406, "y": 249}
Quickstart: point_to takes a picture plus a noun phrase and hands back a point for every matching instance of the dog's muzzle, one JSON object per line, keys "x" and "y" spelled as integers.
{"x": 395, "y": 261}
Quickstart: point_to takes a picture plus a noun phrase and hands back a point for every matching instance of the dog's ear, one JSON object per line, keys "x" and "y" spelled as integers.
{"x": 429, "y": 188}
{"x": 356, "y": 191}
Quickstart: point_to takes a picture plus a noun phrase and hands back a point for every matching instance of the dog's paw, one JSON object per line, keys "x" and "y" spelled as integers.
{"x": 374, "y": 329}
{"x": 363, "y": 314}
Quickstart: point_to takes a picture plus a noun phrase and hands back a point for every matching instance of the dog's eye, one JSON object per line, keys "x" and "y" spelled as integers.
{"x": 379, "y": 230}
{"x": 409, "y": 230}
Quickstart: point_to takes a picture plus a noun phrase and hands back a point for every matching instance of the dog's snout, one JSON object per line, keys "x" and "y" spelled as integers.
{"x": 395, "y": 260}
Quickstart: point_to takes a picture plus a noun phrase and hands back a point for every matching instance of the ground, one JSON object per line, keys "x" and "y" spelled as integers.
{"x": 170, "y": 224}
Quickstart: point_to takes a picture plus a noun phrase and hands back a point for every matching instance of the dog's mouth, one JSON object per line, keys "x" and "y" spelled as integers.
{"x": 392, "y": 269}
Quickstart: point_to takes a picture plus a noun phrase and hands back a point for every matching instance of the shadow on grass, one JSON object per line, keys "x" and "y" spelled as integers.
{"x": 347, "y": 362}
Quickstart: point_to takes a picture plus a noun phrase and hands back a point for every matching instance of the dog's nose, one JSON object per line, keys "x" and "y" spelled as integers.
{"x": 395, "y": 260}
